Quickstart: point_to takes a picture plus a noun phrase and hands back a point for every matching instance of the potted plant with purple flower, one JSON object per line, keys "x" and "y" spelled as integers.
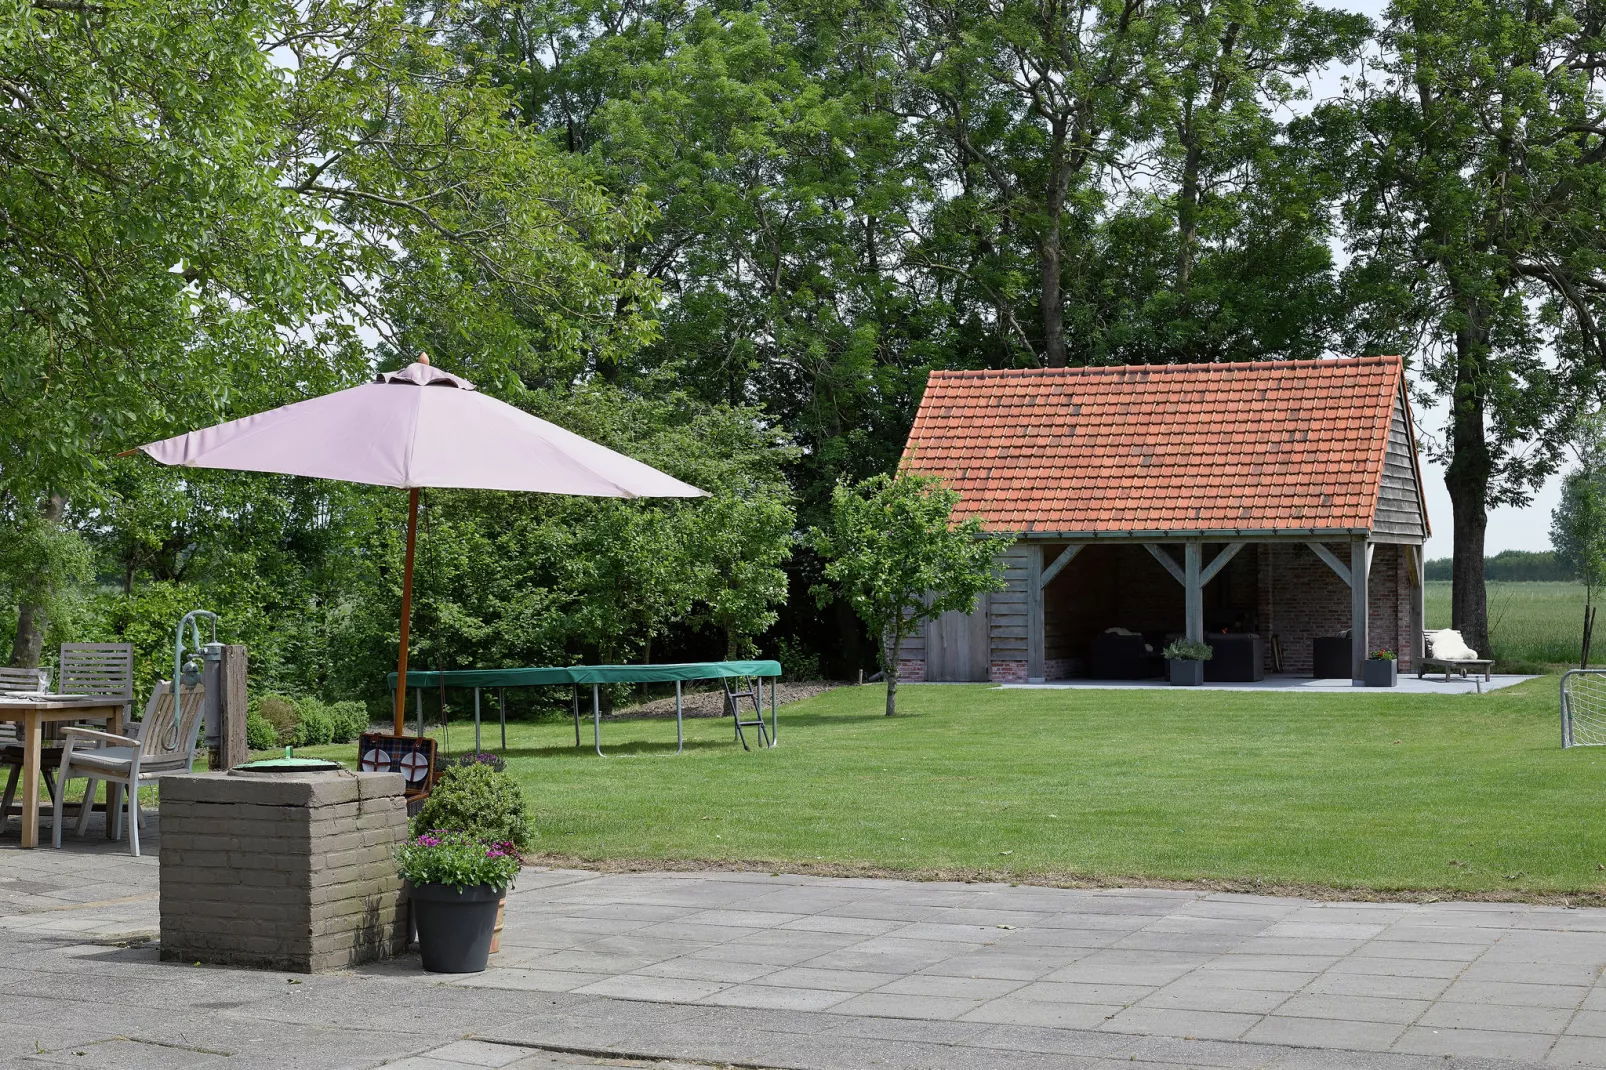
{"x": 457, "y": 883}
{"x": 478, "y": 796}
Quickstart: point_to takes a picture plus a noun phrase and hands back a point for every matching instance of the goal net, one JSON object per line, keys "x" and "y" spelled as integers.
{"x": 1583, "y": 708}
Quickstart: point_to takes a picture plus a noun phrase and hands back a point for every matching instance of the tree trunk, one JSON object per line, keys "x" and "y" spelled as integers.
{"x": 1188, "y": 211}
{"x": 29, "y": 642}
{"x": 1053, "y": 314}
{"x": 889, "y": 671}
{"x": 1467, "y": 480}
{"x": 1589, "y": 626}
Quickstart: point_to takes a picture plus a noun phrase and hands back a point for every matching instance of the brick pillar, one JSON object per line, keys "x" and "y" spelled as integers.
{"x": 282, "y": 871}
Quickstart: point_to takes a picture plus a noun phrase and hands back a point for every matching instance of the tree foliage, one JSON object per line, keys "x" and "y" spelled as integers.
{"x": 1578, "y": 524}
{"x": 894, "y": 551}
{"x": 1476, "y": 148}
{"x": 731, "y": 240}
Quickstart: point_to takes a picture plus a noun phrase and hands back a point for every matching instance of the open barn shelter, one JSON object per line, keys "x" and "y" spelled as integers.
{"x": 1274, "y": 510}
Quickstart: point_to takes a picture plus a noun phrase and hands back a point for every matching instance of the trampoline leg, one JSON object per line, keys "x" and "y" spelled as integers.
{"x": 775, "y": 718}
{"x": 476, "y": 720}
{"x": 596, "y": 720}
{"x": 419, "y": 692}
{"x": 501, "y": 713}
{"x": 680, "y": 732}
{"x": 576, "y": 716}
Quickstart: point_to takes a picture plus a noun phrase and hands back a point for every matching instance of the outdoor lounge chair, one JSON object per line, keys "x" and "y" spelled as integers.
{"x": 164, "y": 743}
{"x": 1479, "y": 669}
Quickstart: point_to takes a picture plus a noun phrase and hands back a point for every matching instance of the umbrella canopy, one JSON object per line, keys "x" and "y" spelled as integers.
{"x": 418, "y": 427}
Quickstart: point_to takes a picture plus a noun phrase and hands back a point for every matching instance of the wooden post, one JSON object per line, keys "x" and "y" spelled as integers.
{"x": 406, "y": 617}
{"x": 1193, "y": 599}
{"x": 232, "y": 748}
{"x": 1418, "y": 640}
{"x": 1359, "y": 572}
{"x": 1034, "y": 615}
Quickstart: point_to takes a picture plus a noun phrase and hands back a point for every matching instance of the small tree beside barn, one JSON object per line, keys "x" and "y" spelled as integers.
{"x": 895, "y": 552}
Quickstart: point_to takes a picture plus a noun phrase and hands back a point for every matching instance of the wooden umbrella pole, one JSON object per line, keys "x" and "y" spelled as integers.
{"x": 406, "y": 613}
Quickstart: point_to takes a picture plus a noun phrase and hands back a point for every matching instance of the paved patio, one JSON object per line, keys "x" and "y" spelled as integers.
{"x": 1409, "y": 685}
{"x": 809, "y": 972}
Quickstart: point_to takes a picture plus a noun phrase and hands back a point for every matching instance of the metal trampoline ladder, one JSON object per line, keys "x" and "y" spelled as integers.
{"x": 751, "y": 688}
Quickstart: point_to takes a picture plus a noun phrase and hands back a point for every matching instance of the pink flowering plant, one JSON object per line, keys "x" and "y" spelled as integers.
{"x": 458, "y": 859}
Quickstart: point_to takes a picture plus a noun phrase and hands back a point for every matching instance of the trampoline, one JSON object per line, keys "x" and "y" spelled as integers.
{"x": 743, "y": 682}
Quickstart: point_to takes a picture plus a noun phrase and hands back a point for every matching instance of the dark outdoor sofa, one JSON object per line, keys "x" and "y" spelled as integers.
{"x": 1124, "y": 657}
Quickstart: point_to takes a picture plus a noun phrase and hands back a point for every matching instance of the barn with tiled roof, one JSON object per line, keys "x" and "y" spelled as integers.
{"x": 1272, "y": 509}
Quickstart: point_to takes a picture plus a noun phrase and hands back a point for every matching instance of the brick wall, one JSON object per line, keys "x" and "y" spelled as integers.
{"x": 288, "y": 872}
{"x": 1062, "y": 668}
{"x": 1007, "y": 672}
{"x": 912, "y": 670}
{"x": 1300, "y": 598}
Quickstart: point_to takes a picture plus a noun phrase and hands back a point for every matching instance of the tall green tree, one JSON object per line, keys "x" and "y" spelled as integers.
{"x": 1578, "y": 523}
{"x": 1477, "y": 151}
{"x": 202, "y": 200}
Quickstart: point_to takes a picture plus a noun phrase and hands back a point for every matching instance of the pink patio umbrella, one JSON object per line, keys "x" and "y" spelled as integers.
{"x": 419, "y": 427}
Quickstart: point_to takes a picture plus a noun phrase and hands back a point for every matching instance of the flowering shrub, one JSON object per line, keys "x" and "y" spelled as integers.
{"x": 483, "y": 757}
{"x": 477, "y": 799}
{"x": 1382, "y": 655}
{"x": 457, "y": 859}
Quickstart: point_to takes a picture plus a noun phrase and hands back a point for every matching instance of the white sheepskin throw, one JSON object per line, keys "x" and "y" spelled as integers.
{"x": 1446, "y": 643}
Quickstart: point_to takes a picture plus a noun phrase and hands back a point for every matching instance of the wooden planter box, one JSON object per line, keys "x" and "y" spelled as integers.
{"x": 1186, "y": 672}
{"x": 1381, "y": 672}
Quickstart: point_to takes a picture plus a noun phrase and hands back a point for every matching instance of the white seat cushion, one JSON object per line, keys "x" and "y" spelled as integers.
{"x": 1446, "y": 644}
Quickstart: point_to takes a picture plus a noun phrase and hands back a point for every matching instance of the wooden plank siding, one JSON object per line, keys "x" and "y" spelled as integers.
{"x": 1399, "y": 498}
{"x": 956, "y": 646}
{"x": 1009, "y": 618}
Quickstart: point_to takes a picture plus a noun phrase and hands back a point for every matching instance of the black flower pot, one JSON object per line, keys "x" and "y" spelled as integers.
{"x": 1380, "y": 672}
{"x": 455, "y": 926}
{"x": 1186, "y": 672}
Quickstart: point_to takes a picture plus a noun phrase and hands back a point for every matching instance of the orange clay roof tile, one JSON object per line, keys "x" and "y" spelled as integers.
{"x": 1294, "y": 445}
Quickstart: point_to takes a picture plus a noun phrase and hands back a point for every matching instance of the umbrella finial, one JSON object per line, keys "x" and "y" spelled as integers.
{"x": 423, "y": 358}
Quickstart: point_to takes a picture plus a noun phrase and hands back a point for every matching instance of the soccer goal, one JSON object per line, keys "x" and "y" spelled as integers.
{"x": 1583, "y": 708}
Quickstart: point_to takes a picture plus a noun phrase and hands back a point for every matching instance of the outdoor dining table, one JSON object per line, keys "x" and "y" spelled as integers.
{"x": 33, "y": 712}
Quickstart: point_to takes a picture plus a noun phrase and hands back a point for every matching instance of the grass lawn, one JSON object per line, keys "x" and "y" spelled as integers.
{"x": 1367, "y": 791}
{"x": 1532, "y": 625}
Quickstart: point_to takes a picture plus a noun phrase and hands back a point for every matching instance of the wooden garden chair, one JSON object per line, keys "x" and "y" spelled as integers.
{"x": 164, "y": 742}
{"x": 104, "y": 670}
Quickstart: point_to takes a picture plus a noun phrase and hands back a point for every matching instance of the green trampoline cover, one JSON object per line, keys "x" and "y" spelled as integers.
{"x": 590, "y": 674}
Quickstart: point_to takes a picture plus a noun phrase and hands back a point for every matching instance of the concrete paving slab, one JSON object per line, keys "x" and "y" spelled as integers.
{"x": 1012, "y": 1011}
{"x": 1550, "y": 1020}
{"x": 1325, "y": 1033}
{"x": 685, "y": 965}
{"x": 1354, "y": 1008}
{"x": 1211, "y": 1025}
{"x": 1530, "y": 1047}
{"x": 1516, "y": 995}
